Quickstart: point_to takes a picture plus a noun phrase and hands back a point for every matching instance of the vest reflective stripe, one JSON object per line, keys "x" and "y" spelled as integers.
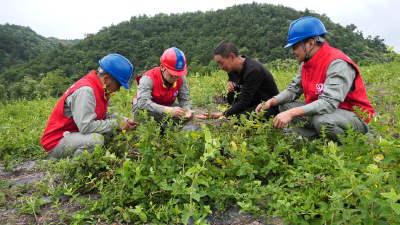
{"x": 59, "y": 123}
{"x": 314, "y": 76}
{"x": 161, "y": 95}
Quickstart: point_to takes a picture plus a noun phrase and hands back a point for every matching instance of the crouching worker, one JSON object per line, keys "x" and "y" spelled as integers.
{"x": 249, "y": 78}
{"x": 331, "y": 84}
{"x": 158, "y": 89}
{"x": 81, "y": 117}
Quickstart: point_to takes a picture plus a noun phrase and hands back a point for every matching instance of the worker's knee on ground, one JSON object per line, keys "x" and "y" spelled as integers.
{"x": 98, "y": 140}
{"x": 320, "y": 121}
{"x": 331, "y": 130}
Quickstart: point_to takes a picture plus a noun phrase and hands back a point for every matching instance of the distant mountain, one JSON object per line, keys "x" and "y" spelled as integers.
{"x": 20, "y": 44}
{"x": 259, "y": 30}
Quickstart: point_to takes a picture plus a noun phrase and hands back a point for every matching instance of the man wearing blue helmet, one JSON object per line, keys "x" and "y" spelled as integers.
{"x": 82, "y": 117}
{"x": 331, "y": 84}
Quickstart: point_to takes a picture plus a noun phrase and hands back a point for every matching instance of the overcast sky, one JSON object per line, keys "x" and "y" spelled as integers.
{"x": 72, "y": 19}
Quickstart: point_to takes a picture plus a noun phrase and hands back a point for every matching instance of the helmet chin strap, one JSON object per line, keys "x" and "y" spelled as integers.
{"x": 102, "y": 71}
{"x": 317, "y": 38}
{"x": 162, "y": 72}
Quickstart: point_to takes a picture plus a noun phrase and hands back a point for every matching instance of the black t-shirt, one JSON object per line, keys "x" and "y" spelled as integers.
{"x": 254, "y": 84}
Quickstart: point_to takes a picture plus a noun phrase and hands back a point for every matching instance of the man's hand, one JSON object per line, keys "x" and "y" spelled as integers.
{"x": 282, "y": 119}
{"x": 175, "y": 111}
{"x": 262, "y": 107}
{"x": 207, "y": 116}
{"x": 231, "y": 86}
{"x": 128, "y": 125}
{"x": 133, "y": 124}
{"x": 266, "y": 106}
{"x": 188, "y": 114}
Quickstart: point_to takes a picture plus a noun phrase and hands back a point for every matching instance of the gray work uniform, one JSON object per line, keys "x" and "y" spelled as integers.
{"x": 324, "y": 111}
{"x": 81, "y": 105}
{"x": 144, "y": 102}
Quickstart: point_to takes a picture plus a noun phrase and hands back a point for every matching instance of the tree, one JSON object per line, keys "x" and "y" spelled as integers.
{"x": 57, "y": 82}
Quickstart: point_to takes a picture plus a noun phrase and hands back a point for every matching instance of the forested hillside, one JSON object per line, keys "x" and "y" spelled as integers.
{"x": 20, "y": 44}
{"x": 259, "y": 31}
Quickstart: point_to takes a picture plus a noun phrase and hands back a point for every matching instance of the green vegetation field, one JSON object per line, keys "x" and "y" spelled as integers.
{"x": 167, "y": 179}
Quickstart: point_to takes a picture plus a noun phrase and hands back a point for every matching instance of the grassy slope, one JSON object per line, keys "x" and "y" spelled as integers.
{"x": 22, "y": 124}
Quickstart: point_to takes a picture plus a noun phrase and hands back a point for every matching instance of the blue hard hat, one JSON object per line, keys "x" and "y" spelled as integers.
{"x": 119, "y": 67}
{"x": 303, "y": 28}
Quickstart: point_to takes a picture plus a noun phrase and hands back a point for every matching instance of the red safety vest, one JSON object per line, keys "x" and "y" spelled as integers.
{"x": 314, "y": 76}
{"x": 161, "y": 95}
{"x": 59, "y": 123}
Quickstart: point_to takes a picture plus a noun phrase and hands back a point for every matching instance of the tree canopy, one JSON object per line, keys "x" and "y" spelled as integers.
{"x": 20, "y": 44}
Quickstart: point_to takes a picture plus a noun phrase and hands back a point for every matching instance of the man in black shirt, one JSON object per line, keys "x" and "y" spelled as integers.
{"x": 248, "y": 77}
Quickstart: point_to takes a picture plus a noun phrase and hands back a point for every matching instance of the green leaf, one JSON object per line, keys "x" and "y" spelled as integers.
{"x": 119, "y": 171}
{"x": 194, "y": 135}
{"x": 196, "y": 196}
{"x": 387, "y": 195}
{"x": 372, "y": 168}
{"x": 341, "y": 163}
{"x": 143, "y": 217}
{"x": 362, "y": 187}
{"x": 126, "y": 164}
{"x": 191, "y": 171}
{"x": 202, "y": 193}
{"x": 396, "y": 208}
{"x": 208, "y": 136}
{"x": 240, "y": 172}
{"x": 382, "y": 202}
{"x": 137, "y": 210}
{"x": 185, "y": 216}
{"x": 201, "y": 181}
{"x": 328, "y": 215}
{"x": 380, "y": 222}
{"x": 237, "y": 162}
{"x": 90, "y": 162}
{"x": 392, "y": 178}
{"x": 209, "y": 148}
{"x": 386, "y": 212}
{"x": 369, "y": 220}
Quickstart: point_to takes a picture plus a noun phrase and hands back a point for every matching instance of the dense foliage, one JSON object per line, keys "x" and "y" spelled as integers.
{"x": 144, "y": 177}
{"x": 259, "y": 31}
{"x": 20, "y": 44}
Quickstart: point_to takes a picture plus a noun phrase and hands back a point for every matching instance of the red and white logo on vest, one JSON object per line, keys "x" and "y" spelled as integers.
{"x": 175, "y": 94}
{"x": 320, "y": 88}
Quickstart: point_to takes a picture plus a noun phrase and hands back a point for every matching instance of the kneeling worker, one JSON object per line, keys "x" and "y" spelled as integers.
{"x": 248, "y": 77}
{"x": 81, "y": 118}
{"x": 159, "y": 88}
{"x": 331, "y": 84}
